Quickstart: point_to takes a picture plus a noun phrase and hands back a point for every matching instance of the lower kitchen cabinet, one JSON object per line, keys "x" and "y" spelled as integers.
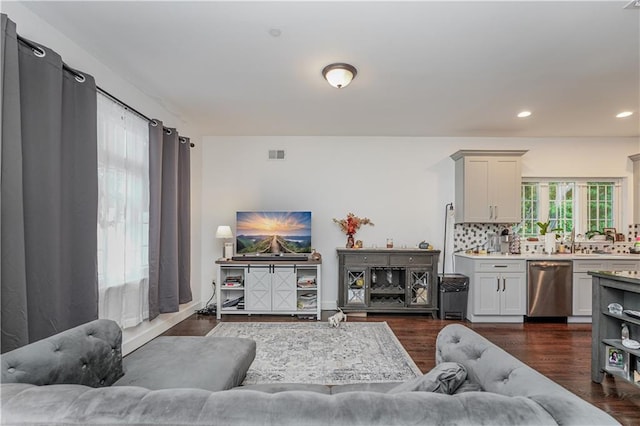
{"x": 500, "y": 294}
{"x": 582, "y": 287}
{"x": 497, "y": 289}
{"x": 582, "y": 281}
{"x": 582, "y": 293}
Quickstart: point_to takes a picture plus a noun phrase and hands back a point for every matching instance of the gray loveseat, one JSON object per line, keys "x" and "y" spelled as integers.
{"x": 512, "y": 393}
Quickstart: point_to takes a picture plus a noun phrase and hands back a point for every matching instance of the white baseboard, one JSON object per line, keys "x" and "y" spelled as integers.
{"x": 133, "y": 338}
{"x": 496, "y": 318}
{"x": 329, "y": 306}
{"x": 579, "y": 320}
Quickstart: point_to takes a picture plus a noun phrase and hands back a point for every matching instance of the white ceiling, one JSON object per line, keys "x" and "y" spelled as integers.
{"x": 425, "y": 68}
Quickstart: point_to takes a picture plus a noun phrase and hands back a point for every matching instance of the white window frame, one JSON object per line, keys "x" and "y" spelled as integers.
{"x": 580, "y": 198}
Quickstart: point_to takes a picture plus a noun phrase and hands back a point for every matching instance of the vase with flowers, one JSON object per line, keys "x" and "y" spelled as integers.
{"x": 350, "y": 225}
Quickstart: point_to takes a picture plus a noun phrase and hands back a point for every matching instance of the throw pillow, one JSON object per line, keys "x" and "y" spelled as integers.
{"x": 443, "y": 378}
{"x": 468, "y": 386}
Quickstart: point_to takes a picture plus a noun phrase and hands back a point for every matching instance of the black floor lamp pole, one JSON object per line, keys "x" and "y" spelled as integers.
{"x": 447, "y": 209}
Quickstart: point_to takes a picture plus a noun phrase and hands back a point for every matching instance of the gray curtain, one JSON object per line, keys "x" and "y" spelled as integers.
{"x": 49, "y": 194}
{"x": 169, "y": 220}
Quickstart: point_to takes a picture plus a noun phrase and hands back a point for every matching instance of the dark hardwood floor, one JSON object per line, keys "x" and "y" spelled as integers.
{"x": 560, "y": 351}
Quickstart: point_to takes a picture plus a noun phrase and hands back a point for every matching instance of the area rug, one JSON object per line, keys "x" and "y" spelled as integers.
{"x": 316, "y": 353}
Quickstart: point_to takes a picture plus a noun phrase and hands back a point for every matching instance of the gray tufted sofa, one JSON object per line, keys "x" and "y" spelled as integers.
{"x": 513, "y": 394}
{"x": 91, "y": 355}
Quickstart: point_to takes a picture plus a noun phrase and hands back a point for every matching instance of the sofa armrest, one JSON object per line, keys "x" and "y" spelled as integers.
{"x": 499, "y": 372}
{"x": 89, "y": 354}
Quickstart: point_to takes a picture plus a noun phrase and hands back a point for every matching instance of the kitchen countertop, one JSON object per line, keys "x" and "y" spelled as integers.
{"x": 556, "y": 256}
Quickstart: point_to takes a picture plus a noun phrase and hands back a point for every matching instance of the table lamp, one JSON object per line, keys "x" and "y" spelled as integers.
{"x": 224, "y": 232}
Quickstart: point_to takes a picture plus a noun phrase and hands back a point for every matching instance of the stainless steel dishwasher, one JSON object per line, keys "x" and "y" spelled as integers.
{"x": 550, "y": 288}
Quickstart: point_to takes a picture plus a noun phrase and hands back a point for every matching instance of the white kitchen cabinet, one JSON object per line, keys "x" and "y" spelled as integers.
{"x": 582, "y": 281}
{"x": 582, "y": 292}
{"x": 500, "y": 294}
{"x": 488, "y": 186}
{"x": 624, "y": 265}
{"x": 497, "y": 289}
{"x": 498, "y": 284}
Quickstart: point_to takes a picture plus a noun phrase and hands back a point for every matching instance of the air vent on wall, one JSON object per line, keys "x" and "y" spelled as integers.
{"x": 276, "y": 154}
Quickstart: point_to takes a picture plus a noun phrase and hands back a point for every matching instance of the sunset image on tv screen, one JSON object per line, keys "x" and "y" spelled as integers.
{"x": 273, "y": 232}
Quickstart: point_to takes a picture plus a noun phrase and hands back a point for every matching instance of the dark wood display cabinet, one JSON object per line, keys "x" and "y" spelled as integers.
{"x": 609, "y": 288}
{"x": 388, "y": 280}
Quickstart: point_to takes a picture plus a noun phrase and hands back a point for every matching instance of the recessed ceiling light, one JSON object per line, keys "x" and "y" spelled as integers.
{"x": 625, "y": 114}
{"x": 524, "y": 114}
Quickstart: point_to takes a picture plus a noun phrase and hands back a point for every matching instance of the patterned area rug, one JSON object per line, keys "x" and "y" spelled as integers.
{"x": 316, "y": 353}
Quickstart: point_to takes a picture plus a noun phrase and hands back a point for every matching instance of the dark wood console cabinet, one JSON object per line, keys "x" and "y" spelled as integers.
{"x": 623, "y": 288}
{"x": 388, "y": 280}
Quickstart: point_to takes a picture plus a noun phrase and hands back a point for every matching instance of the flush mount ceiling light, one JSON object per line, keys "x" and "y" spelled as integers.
{"x": 524, "y": 114}
{"x": 624, "y": 114}
{"x": 339, "y": 75}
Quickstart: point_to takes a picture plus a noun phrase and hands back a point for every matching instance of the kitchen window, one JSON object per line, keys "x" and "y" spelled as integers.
{"x": 584, "y": 204}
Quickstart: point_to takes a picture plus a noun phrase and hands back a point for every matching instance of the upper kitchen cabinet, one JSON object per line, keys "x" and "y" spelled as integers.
{"x": 488, "y": 186}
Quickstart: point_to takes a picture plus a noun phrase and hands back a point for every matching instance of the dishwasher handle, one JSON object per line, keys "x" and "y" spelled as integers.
{"x": 546, "y": 264}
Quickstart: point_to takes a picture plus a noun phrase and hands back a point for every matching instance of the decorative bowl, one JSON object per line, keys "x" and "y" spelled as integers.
{"x": 615, "y": 308}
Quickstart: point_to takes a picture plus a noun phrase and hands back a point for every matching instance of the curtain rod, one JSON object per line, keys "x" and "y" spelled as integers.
{"x": 135, "y": 111}
{"x": 39, "y": 51}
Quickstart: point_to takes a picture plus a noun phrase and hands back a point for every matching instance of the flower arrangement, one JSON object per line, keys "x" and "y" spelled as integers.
{"x": 350, "y": 225}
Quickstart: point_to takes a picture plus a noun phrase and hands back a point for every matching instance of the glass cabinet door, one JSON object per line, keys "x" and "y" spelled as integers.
{"x": 419, "y": 287}
{"x": 355, "y": 280}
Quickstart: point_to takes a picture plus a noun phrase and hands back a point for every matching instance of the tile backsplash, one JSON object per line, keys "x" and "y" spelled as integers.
{"x": 470, "y": 236}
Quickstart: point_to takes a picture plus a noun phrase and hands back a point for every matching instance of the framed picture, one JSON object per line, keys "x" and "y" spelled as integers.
{"x": 617, "y": 361}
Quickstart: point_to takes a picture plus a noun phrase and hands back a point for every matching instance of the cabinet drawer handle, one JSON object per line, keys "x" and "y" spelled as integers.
{"x": 410, "y": 259}
{"x": 498, "y": 282}
{"x": 365, "y": 258}
{"x": 495, "y": 212}
{"x": 500, "y": 266}
{"x": 490, "y": 212}
{"x": 504, "y": 284}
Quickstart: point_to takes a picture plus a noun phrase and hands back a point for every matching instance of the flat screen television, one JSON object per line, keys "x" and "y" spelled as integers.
{"x": 274, "y": 232}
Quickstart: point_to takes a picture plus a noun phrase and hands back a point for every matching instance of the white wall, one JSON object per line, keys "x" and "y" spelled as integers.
{"x": 34, "y": 28}
{"x": 401, "y": 184}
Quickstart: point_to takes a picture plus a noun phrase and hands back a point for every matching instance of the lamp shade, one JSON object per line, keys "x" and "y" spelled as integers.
{"x": 224, "y": 231}
{"x": 339, "y": 75}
